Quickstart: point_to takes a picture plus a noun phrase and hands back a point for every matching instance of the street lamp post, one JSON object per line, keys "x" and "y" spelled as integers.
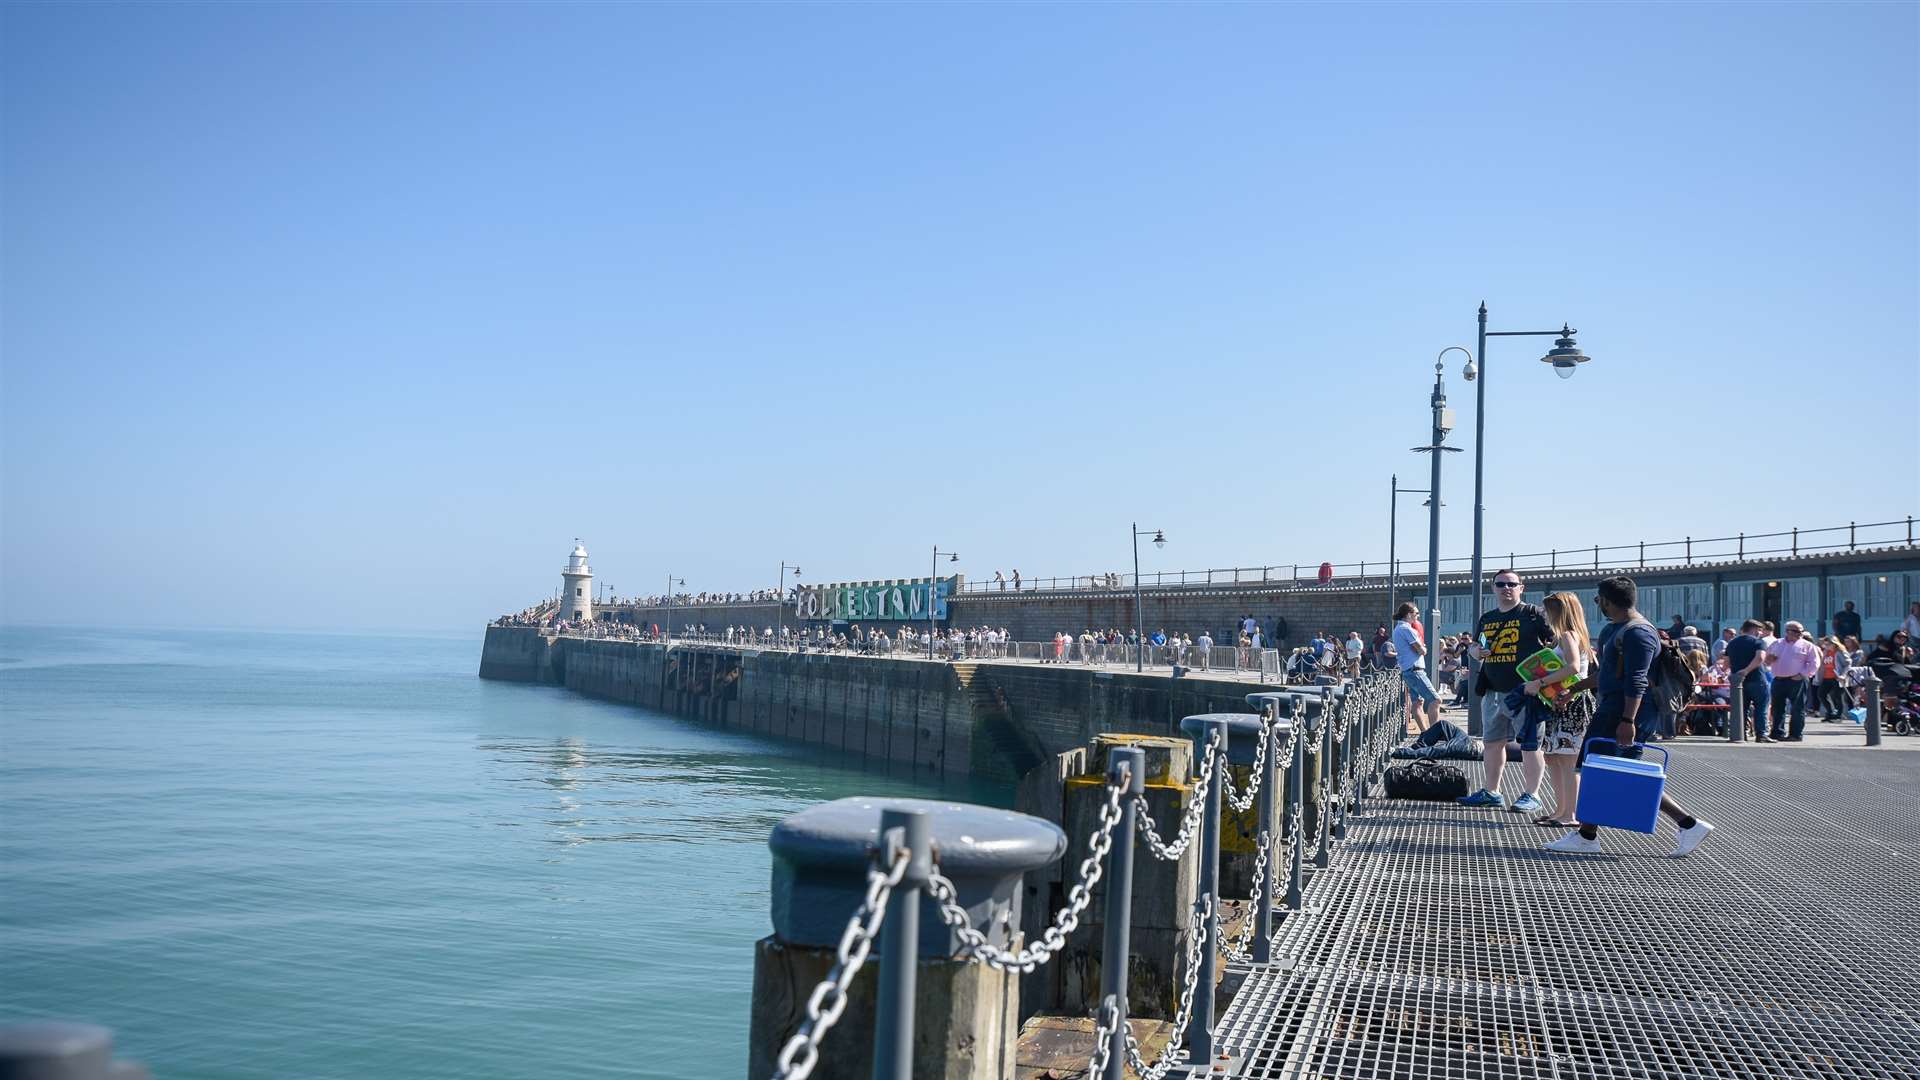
{"x": 671, "y": 582}
{"x": 1393, "y": 542}
{"x": 1139, "y": 619}
{"x": 780, "y": 597}
{"x": 1442, "y": 423}
{"x": 1566, "y": 358}
{"x": 933, "y": 591}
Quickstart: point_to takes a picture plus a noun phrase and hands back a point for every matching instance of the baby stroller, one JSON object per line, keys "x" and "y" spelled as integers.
{"x": 1899, "y": 697}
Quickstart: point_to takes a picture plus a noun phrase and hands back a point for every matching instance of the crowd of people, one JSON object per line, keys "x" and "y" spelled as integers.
{"x": 1556, "y": 694}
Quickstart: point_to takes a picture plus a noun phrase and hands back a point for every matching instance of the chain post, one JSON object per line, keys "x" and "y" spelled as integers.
{"x": 1199, "y": 1035}
{"x": 1873, "y": 709}
{"x": 1295, "y": 810}
{"x": 1322, "y": 856}
{"x": 1265, "y": 887}
{"x": 1125, "y": 766}
{"x": 1736, "y": 708}
{"x": 900, "y": 943}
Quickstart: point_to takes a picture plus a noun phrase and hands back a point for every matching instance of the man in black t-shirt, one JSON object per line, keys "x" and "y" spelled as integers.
{"x": 1507, "y": 635}
{"x": 1846, "y": 622}
{"x": 1747, "y": 665}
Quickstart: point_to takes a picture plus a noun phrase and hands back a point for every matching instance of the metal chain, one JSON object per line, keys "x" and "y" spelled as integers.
{"x": 1103, "y": 1029}
{"x": 974, "y": 943}
{"x": 829, "y": 999}
{"x": 1174, "y": 1053}
{"x": 1238, "y": 948}
{"x": 1243, "y": 802}
{"x": 1190, "y": 820}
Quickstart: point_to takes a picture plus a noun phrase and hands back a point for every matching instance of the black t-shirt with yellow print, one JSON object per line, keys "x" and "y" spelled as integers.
{"x": 1510, "y": 637}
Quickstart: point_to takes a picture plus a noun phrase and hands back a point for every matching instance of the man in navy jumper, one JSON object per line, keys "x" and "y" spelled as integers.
{"x": 1627, "y": 648}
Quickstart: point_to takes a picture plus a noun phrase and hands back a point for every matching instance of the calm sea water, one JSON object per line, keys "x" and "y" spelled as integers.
{"x": 278, "y": 855}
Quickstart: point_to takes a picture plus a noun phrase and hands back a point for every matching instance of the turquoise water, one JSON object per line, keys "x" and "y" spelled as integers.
{"x": 278, "y": 855}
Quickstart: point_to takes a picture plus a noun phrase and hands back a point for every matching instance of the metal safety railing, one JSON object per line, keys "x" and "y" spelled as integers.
{"x": 1229, "y": 659}
{"x": 1316, "y": 753}
{"x": 1640, "y": 554}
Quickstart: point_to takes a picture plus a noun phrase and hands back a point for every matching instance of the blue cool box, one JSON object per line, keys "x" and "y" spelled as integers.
{"x": 1621, "y": 793}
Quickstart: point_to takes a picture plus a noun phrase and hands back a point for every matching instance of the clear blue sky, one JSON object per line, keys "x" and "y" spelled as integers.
{"x": 355, "y": 315}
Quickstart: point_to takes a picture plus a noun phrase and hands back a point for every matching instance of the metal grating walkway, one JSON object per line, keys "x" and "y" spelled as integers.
{"x": 1443, "y": 943}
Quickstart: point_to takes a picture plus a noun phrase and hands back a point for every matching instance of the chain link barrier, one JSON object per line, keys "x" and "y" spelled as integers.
{"x": 1243, "y": 801}
{"x": 1190, "y": 819}
{"x": 829, "y": 999}
{"x": 974, "y": 943}
{"x": 1174, "y": 1053}
{"x": 1372, "y": 703}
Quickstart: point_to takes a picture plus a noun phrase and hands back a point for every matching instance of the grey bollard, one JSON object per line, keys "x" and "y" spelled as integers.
{"x": 1113, "y": 958}
{"x": 1270, "y": 823}
{"x": 1736, "y": 709}
{"x": 966, "y": 1014}
{"x": 61, "y": 1050}
{"x": 1323, "y": 792}
{"x": 1873, "y": 709}
{"x": 1199, "y": 1033}
{"x": 900, "y": 942}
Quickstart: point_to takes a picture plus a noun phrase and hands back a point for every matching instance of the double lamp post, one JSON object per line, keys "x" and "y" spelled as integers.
{"x": 1565, "y": 358}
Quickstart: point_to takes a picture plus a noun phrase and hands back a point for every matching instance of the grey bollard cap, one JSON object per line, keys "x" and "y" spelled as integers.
{"x": 821, "y": 854}
{"x": 1243, "y": 734}
{"x": 61, "y": 1050}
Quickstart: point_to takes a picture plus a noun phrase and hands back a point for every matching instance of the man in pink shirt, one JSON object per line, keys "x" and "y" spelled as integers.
{"x": 1795, "y": 663}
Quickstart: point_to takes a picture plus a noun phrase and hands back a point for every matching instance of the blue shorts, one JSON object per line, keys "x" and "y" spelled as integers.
{"x": 1421, "y": 686}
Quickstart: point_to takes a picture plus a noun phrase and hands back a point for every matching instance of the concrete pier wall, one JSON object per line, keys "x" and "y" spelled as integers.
{"x": 943, "y": 720}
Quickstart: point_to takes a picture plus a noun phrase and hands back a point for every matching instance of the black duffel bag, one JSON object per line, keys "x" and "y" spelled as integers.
{"x": 1429, "y": 781}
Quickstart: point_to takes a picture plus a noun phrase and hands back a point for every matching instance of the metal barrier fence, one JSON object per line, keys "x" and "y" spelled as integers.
{"x": 1232, "y": 659}
{"x": 1641, "y": 554}
{"x": 1345, "y": 732}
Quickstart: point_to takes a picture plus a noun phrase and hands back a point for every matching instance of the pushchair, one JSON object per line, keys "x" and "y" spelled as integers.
{"x": 1899, "y": 697}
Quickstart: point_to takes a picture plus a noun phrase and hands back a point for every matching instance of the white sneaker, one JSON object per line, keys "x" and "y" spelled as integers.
{"x": 1690, "y": 838}
{"x": 1575, "y": 844}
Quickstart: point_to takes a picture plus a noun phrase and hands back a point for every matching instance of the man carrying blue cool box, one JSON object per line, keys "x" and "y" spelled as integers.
{"x": 1627, "y": 648}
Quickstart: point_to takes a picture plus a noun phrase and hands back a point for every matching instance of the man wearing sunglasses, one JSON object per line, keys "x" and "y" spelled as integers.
{"x": 1509, "y": 633}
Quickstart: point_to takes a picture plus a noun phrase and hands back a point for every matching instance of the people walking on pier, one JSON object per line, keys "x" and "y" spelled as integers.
{"x": 1508, "y": 634}
{"x": 1203, "y": 648}
{"x": 1627, "y": 649}
{"x": 1408, "y": 649}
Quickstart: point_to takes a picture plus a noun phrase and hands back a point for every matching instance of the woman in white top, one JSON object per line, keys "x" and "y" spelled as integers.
{"x": 1566, "y": 728}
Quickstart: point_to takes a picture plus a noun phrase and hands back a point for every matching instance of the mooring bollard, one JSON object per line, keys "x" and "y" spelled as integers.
{"x": 1132, "y": 764}
{"x": 1873, "y": 708}
{"x": 966, "y": 1015}
{"x": 900, "y": 942}
{"x": 1323, "y": 786}
{"x": 62, "y": 1050}
{"x": 1736, "y": 709}
{"x": 1344, "y": 747}
{"x": 1199, "y": 1033}
{"x": 1279, "y": 731}
{"x": 1205, "y": 728}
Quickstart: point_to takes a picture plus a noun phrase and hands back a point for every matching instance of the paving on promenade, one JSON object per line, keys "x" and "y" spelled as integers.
{"x": 1444, "y": 943}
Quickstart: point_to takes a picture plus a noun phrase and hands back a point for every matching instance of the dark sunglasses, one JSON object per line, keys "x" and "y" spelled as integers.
{"x": 1506, "y": 584}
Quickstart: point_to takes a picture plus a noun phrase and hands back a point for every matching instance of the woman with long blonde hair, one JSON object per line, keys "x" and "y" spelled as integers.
{"x": 1566, "y": 727}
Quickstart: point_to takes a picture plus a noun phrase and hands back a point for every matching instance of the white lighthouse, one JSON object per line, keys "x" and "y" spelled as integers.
{"x": 576, "y": 595}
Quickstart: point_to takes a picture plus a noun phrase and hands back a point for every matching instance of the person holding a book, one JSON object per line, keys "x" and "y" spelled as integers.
{"x": 1550, "y": 676}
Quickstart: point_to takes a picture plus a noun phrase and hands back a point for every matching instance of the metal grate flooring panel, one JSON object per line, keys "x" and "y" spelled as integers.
{"x": 1443, "y": 943}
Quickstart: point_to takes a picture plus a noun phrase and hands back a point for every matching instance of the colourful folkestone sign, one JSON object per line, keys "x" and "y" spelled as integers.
{"x": 905, "y": 600}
